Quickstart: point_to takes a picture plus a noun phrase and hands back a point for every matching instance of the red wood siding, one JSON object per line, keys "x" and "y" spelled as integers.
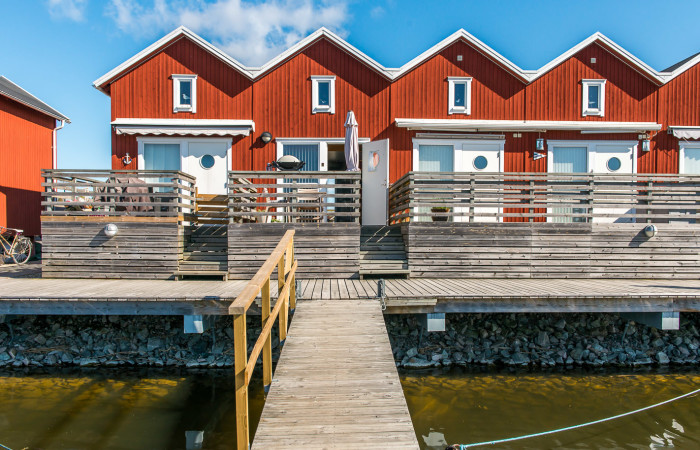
{"x": 629, "y": 96}
{"x": 26, "y": 139}
{"x": 147, "y": 92}
{"x": 282, "y": 99}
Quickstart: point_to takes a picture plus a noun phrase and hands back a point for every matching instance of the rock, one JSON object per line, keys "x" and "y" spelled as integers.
{"x": 416, "y": 363}
{"x": 561, "y": 324}
{"x": 576, "y": 353}
{"x": 662, "y": 358}
{"x": 520, "y": 359}
{"x": 153, "y": 344}
{"x": 40, "y": 339}
{"x": 4, "y": 356}
{"x": 542, "y": 339}
{"x": 658, "y": 342}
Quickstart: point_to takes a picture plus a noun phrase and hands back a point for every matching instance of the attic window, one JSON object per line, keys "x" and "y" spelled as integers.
{"x": 323, "y": 94}
{"x": 593, "y": 101}
{"x": 184, "y": 93}
{"x": 460, "y": 95}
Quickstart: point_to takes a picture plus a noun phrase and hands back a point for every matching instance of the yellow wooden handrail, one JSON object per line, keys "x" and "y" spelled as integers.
{"x": 283, "y": 258}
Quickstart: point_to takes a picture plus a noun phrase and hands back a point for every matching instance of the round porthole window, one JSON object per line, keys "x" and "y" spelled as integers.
{"x": 207, "y": 161}
{"x": 614, "y": 164}
{"x": 480, "y": 162}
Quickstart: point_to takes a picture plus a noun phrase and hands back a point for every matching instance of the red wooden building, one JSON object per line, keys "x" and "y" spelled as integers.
{"x": 460, "y": 106}
{"x": 28, "y": 130}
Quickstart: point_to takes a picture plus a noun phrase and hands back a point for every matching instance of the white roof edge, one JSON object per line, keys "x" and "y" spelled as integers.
{"x": 479, "y": 45}
{"x": 638, "y": 64}
{"x": 683, "y": 127}
{"x": 668, "y": 76}
{"x": 337, "y": 40}
{"x": 170, "y": 37}
{"x": 59, "y": 116}
{"x": 495, "y": 125}
{"x": 185, "y": 122}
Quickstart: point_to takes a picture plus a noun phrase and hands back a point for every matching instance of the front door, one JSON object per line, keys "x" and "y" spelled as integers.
{"x": 375, "y": 182}
{"x": 568, "y": 160}
{"x": 613, "y": 159}
{"x": 208, "y": 161}
{"x": 481, "y": 157}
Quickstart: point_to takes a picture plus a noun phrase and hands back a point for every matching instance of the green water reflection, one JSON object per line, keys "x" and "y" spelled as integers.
{"x": 107, "y": 409}
{"x": 459, "y": 407}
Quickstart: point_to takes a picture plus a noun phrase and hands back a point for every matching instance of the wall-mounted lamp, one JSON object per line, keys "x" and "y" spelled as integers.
{"x": 646, "y": 145}
{"x": 539, "y": 144}
{"x": 110, "y": 230}
{"x": 127, "y": 159}
{"x": 650, "y": 231}
{"x": 266, "y": 137}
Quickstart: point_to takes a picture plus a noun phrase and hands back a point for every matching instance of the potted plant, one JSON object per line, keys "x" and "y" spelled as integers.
{"x": 440, "y": 210}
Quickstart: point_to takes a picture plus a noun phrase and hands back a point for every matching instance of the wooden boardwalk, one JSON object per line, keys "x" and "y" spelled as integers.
{"x": 336, "y": 384}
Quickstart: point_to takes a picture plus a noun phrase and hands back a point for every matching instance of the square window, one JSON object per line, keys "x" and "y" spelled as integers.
{"x": 184, "y": 93}
{"x": 323, "y": 94}
{"x": 459, "y": 95}
{"x": 593, "y": 103}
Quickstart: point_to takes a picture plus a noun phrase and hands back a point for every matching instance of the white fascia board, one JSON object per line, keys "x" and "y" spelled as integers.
{"x": 59, "y": 116}
{"x": 329, "y": 140}
{"x": 522, "y": 125}
{"x": 164, "y": 41}
{"x": 668, "y": 76}
{"x": 310, "y": 39}
{"x": 186, "y": 122}
{"x": 622, "y": 54}
{"x": 473, "y": 42}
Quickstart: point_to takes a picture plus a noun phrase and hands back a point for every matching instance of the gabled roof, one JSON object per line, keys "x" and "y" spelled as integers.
{"x": 672, "y": 72}
{"x": 16, "y": 93}
{"x": 310, "y": 39}
{"x": 608, "y": 44}
{"x": 160, "y": 44}
{"x": 463, "y": 35}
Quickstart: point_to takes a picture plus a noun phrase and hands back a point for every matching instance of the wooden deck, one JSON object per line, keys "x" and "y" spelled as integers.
{"x": 23, "y": 291}
{"x": 336, "y": 384}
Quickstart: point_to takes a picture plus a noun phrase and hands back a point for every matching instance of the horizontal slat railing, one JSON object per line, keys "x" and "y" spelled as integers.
{"x": 108, "y": 193}
{"x": 556, "y": 197}
{"x": 282, "y": 258}
{"x": 267, "y": 197}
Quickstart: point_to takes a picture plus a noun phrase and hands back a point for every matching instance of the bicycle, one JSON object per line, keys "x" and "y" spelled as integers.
{"x": 15, "y": 247}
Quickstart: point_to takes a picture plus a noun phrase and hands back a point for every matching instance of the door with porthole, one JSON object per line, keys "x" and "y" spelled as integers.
{"x": 207, "y": 160}
{"x": 482, "y": 157}
{"x": 619, "y": 159}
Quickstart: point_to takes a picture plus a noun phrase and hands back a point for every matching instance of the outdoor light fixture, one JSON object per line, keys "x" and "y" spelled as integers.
{"x": 539, "y": 144}
{"x": 110, "y": 230}
{"x": 650, "y": 231}
{"x": 646, "y": 145}
{"x": 266, "y": 137}
{"x": 127, "y": 159}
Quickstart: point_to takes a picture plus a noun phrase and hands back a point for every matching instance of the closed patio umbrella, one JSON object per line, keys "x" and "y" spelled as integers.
{"x": 352, "y": 147}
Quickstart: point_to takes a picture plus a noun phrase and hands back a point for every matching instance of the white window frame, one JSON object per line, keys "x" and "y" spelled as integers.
{"x": 591, "y": 147}
{"x": 585, "y": 110}
{"x": 682, "y": 145}
{"x": 458, "y": 146}
{"x": 467, "y": 108}
{"x": 184, "y": 149}
{"x": 177, "y": 106}
{"x": 315, "y": 107}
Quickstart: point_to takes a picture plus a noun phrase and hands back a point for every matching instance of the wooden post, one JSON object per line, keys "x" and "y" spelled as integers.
{"x": 267, "y": 348}
{"x": 281, "y": 272}
{"x": 649, "y": 202}
{"x": 293, "y": 287}
{"x": 240, "y": 346}
{"x": 532, "y": 200}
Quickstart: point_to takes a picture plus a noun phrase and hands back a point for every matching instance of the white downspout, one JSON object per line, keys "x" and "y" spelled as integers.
{"x": 55, "y": 144}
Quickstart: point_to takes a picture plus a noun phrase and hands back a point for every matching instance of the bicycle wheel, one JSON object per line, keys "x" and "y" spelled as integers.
{"x": 22, "y": 250}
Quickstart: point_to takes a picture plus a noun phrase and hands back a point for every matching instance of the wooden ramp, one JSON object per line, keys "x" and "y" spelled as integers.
{"x": 336, "y": 384}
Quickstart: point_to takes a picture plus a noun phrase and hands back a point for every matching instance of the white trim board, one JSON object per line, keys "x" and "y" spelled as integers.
{"x": 458, "y": 145}
{"x": 184, "y": 149}
{"x": 522, "y": 125}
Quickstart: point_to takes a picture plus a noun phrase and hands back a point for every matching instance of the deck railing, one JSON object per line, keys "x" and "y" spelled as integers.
{"x": 283, "y": 259}
{"x": 267, "y": 197}
{"x": 143, "y": 193}
{"x": 544, "y": 197}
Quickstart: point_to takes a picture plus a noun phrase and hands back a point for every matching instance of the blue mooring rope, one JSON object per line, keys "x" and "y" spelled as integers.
{"x": 6, "y": 448}
{"x": 500, "y": 441}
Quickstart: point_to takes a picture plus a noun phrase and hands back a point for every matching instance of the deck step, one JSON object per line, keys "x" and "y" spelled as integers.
{"x": 180, "y": 274}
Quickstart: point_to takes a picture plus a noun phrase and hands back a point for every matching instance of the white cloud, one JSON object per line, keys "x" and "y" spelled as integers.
{"x": 250, "y": 32}
{"x": 376, "y": 12}
{"x": 70, "y": 9}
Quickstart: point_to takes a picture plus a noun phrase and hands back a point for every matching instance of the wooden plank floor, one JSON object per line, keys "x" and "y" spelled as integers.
{"x": 336, "y": 384}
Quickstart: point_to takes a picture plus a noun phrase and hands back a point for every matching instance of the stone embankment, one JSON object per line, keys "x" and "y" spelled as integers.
{"x": 534, "y": 340}
{"x": 543, "y": 340}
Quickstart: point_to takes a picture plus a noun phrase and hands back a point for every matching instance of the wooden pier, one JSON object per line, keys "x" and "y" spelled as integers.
{"x": 336, "y": 384}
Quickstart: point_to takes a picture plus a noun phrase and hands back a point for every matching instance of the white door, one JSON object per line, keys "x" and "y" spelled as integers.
{"x": 481, "y": 157}
{"x": 614, "y": 159}
{"x": 568, "y": 160}
{"x": 208, "y": 161}
{"x": 375, "y": 182}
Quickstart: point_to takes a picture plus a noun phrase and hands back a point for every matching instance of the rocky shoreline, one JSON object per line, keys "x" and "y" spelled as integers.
{"x": 470, "y": 340}
{"x": 542, "y": 340}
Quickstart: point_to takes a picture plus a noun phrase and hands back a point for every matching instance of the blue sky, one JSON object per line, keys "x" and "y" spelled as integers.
{"x": 56, "y": 48}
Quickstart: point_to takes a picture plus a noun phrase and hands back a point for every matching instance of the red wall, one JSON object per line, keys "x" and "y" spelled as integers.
{"x": 147, "y": 92}
{"x": 26, "y": 139}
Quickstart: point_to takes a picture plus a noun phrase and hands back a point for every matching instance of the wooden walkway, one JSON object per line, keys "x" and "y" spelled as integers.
{"x": 336, "y": 384}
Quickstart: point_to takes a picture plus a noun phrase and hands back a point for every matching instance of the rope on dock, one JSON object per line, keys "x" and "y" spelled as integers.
{"x": 518, "y": 438}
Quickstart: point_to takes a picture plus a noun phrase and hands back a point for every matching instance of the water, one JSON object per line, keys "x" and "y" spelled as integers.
{"x": 459, "y": 407}
{"x": 109, "y": 409}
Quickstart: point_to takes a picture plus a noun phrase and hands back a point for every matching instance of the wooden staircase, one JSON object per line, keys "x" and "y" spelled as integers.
{"x": 382, "y": 252}
{"x": 206, "y": 244}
